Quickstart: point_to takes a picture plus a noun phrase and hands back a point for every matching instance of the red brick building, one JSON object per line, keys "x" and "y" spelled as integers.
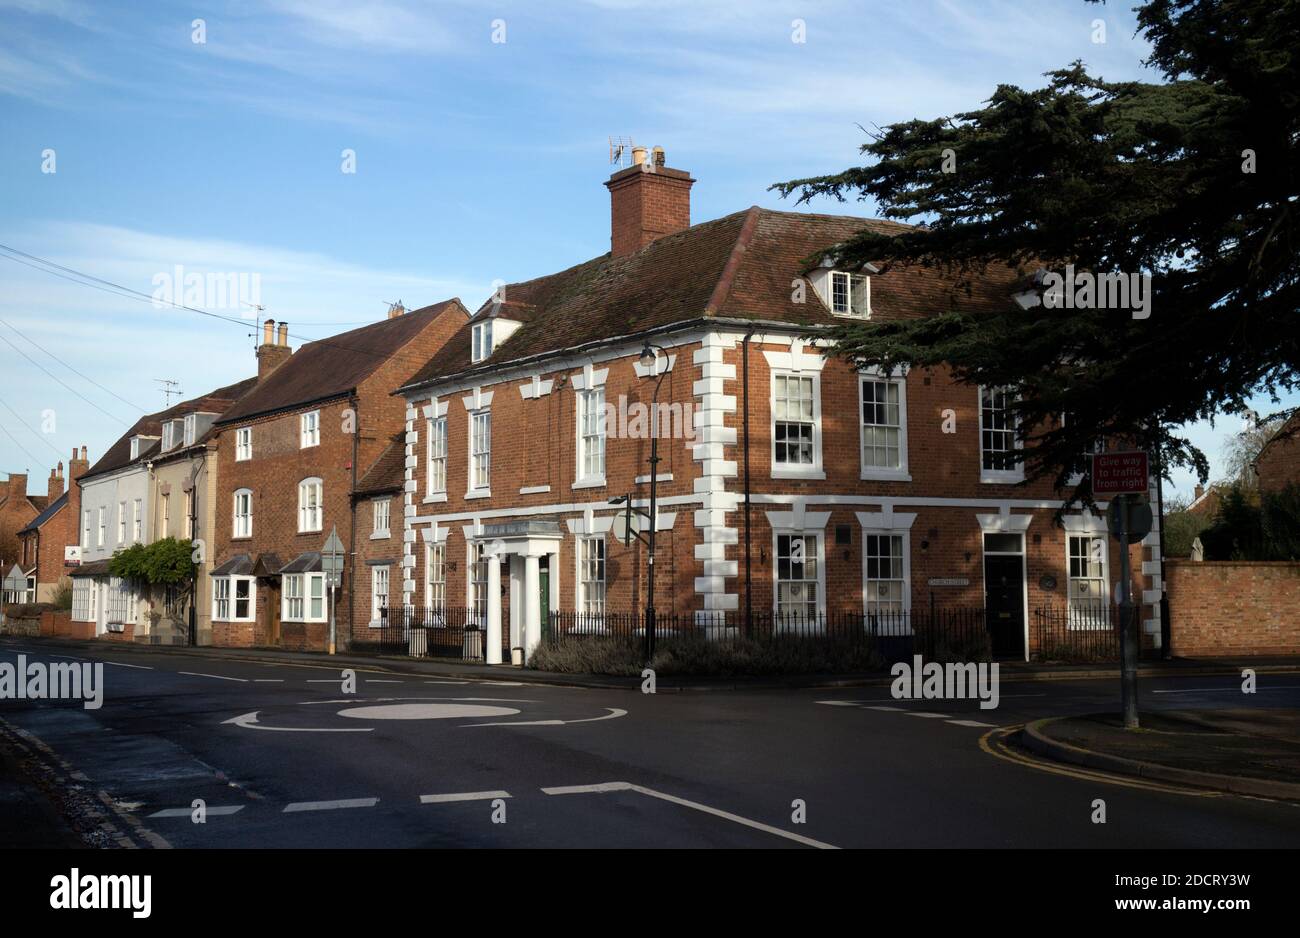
{"x": 1278, "y": 463}
{"x": 788, "y": 482}
{"x": 290, "y": 454}
{"x": 17, "y": 510}
{"x": 46, "y": 539}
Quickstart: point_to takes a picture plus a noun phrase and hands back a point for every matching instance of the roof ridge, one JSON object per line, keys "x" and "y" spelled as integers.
{"x": 728, "y": 276}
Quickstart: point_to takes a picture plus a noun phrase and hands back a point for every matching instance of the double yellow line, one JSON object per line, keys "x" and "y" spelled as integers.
{"x": 994, "y": 742}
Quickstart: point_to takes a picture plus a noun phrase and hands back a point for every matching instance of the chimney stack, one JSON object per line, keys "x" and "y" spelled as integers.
{"x": 77, "y": 467}
{"x": 647, "y": 201}
{"x": 274, "y": 350}
{"x": 396, "y": 309}
{"x": 55, "y": 483}
{"x": 1200, "y": 490}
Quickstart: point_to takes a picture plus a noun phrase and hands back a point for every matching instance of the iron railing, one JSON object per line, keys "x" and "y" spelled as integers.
{"x": 1079, "y": 632}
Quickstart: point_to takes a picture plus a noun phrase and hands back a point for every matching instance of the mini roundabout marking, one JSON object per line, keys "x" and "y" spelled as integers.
{"x": 407, "y": 709}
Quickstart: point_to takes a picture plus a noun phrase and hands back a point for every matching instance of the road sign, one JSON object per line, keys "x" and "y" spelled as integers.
{"x": 15, "y": 580}
{"x": 331, "y": 555}
{"x": 1139, "y": 518}
{"x": 627, "y": 525}
{"x": 1120, "y": 474}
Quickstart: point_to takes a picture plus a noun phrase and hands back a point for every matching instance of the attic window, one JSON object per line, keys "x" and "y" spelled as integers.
{"x": 135, "y": 447}
{"x": 850, "y": 294}
{"x": 168, "y": 440}
{"x": 191, "y": 422}
{"x": 482, "y": 346}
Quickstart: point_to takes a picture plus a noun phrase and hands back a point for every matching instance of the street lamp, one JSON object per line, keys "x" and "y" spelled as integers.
{"x": 649, "y": 361}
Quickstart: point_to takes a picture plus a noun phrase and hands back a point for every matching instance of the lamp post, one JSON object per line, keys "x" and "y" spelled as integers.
{"x": 650, "y": 360}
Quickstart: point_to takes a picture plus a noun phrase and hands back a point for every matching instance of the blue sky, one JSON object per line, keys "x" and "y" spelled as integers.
{"x": 475, "y": 160}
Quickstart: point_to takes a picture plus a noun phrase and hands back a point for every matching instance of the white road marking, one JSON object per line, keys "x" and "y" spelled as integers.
{"x": 249, "y": 722}
{"x": 694, "y": 805}
{"x": 268, "y": 680}
{"x": 1216, "y": 690}
{"x": 219, "y": 810}
{"x": 927, "y": 715}
{"x": 614, "y": 714}
{"x": 320, "y": 680}
{"x": 839, "y": 703}
{"x": 463, "y": 796}
{"x": 446, "y": 682}
{"x": 122, "y": 664}
{"x": 972, "y": 723}
{"x": 330, "y": 805}
{"x": 888, "y": 709}
{"x": 219, "y": 677}
{"x": 373, "y": 680}
{"x": 426, "y": 711}
{"x": 503, "y": 683}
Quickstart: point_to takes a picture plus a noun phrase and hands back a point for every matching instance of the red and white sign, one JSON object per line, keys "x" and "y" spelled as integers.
{"x": 1120, "y": 474}
{"x": 72, "y": 555}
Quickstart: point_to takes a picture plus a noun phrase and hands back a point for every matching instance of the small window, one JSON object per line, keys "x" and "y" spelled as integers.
{"x": 794, "y": 404}
{"x": 243, "y": 444}
{"x": 591, "y": 436}
{"x": 482, "y": 341}
{"x": 435, "y": 575}
{"x": 850, "y": 295}
{"x": 310, "y": 508}
{"x": 137, "y": 520}
{"x": 591, "y": 575}
{"x": 437, "y": 430}
{"x": 998, "y": 437}
{"x": 1088, "y": 592}
{"x": 121, "y": 522}
{"x": 480, "y": 454}
{"x": 796, "y": 576}
{"x": 168, "y": 436}
{"x": 135, "y": 447}
{"x": 243, "y": 514}
{"x": 191, "y": 423}
{"x": 310, "y": 423}
{"x": 378, "y": 593}
{"x": 382, "y": 511}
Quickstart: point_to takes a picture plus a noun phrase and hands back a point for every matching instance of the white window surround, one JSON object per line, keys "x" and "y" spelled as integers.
{"x": 121, "y": 522}
{"x": 242, "y": 514}
{"x": 820, "y": 560}
{"x": 103, "y": 525}
{"x": 312, "y": 598}
{"x": 380, "y": 587}
{"x": 309, "y": 429}
{"x": 137, "y": 520}
{"x": 435, "y": 574}
{"x": 311, "y": 507}
{"x": 536, "y": 388}
{"x": 591, "y": 437}
{"x": 590, "y": 554}
{"x": 1004, "y": 523}
{"x": 435, "y": 451}
{"x": 481, "y": 341}
{"x": 997, "y": 476}
{"x": 799, "y": 521}
{"x": 813, "y": 470}
{"x": 226, "y": 598}
{"x": 1088, "y": 525}
{"x": 822, "y": 281}
{"x": 479, "y": 451}
{"x": 382, "y": 515}
{"x": 884, "y": 474}
{"x": 243, "y": 444}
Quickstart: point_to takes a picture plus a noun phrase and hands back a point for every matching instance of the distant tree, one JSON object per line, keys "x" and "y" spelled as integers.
{"x": 1255, "y": 527}
{"x": 1194, "y": 180}
{"x": 1243, "y": 448}
{"x": 1181, "y": 527}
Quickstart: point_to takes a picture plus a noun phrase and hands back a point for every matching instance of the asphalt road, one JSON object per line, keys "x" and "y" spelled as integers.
{"x": 281, "y": 758}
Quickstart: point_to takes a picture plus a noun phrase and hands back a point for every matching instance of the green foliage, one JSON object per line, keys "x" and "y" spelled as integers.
{"x": 1245, "y": 528}
{"x": 62, "y": 596}
{"x": 162, "y": 562}
{"x": 1181, "y": 528}
{"x": 1127, "y": 177}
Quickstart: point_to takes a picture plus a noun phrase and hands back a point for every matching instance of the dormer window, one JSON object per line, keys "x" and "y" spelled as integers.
{"x": 482, "y": 344}
{"x": 168, "y": 440}
{"x": 135, "y": 447}
{"x": 191, "y": 421}
{"x": 850, "y": 294}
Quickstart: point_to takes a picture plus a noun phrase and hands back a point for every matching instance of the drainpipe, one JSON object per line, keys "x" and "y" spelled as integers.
{"x": 352, "y": 526}
{"x": 749, "y": 580}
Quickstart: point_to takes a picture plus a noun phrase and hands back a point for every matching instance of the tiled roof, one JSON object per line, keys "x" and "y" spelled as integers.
{"x": 738, "y": 266}
{"x": 332, "y": 367}
{"x": 118, "y": 455}
{"x": 49, "y": 512}
{"x": 388, "y": 472}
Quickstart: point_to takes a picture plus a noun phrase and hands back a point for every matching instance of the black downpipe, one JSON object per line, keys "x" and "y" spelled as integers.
{"x": 749, "y": 580}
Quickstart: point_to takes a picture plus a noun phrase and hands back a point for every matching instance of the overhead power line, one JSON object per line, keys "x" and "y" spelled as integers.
{"x": 40, "y": 436}
{"x": 84, "y": 377}
{"x": 64, "y": 383}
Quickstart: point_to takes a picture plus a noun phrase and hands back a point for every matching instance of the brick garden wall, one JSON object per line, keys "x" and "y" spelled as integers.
{"x": 1233, "y": 608}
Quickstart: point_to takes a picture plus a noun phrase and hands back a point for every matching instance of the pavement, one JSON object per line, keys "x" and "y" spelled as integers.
{"x": 222, "y": 750}
{"x": 1250, "y": 751}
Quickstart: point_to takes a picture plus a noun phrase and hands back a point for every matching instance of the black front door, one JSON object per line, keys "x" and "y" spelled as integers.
{"x": 1004, "y": 604}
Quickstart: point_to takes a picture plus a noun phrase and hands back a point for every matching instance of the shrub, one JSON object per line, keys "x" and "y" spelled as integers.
{"x": 62, "y": 597}
{"x": 780, "y": 654}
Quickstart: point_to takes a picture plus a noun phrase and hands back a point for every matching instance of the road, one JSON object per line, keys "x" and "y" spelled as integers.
{"x": 281, "y": 758}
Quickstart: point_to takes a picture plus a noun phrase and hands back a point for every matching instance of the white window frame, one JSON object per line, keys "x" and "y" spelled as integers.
{"x": 820, "y": 560}
{"x": 379, "y": 571}
{"x": 896, "y": 625}
{"x": 1076, "y": 616}
{"x": 309, "y": 429}
{"x": 85, "y": 530}
{"x": 481, "y": 341}
{"x": 591, "y": 436}
{"x": 901, "y": 472}
{"x": 813, "y": 470}
{"x": 168, "y": 436}
{"x": 297, "y": 588}
{"x": 164, "y": 513}
{"x": 191, "y": 425}
{"x": 478, "y": 605}
{"x": 999, "y": 476}
{"x": 592, "y": 591}
{"x": 435, "y": 588}
{"x": 436, "y": 456}
{"x": 476, "y": 456}
{"x": 188, "y": 525}
{"x": 229, "y": 586}
{"x": 137, "y": 520}
{"x": 849, "y": 279}
{"x": 305, "y": 516}
{"x": 243, "y": 444}
{"x": 121, "y": 522}
{"x": 381, "y": 513}
{"x": 238, "y": 529}
{"x": 103, "y": 526}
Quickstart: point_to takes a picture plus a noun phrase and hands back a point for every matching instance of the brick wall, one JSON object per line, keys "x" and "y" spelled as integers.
{"x": 1233, "y": 608}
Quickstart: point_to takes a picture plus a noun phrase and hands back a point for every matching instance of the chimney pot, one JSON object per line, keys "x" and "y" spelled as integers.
{"x": 83, "y": 452}
{"x": 268, "y": 328}
{"x": 647, "y": 201}
{"x": 283, "y": 337}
